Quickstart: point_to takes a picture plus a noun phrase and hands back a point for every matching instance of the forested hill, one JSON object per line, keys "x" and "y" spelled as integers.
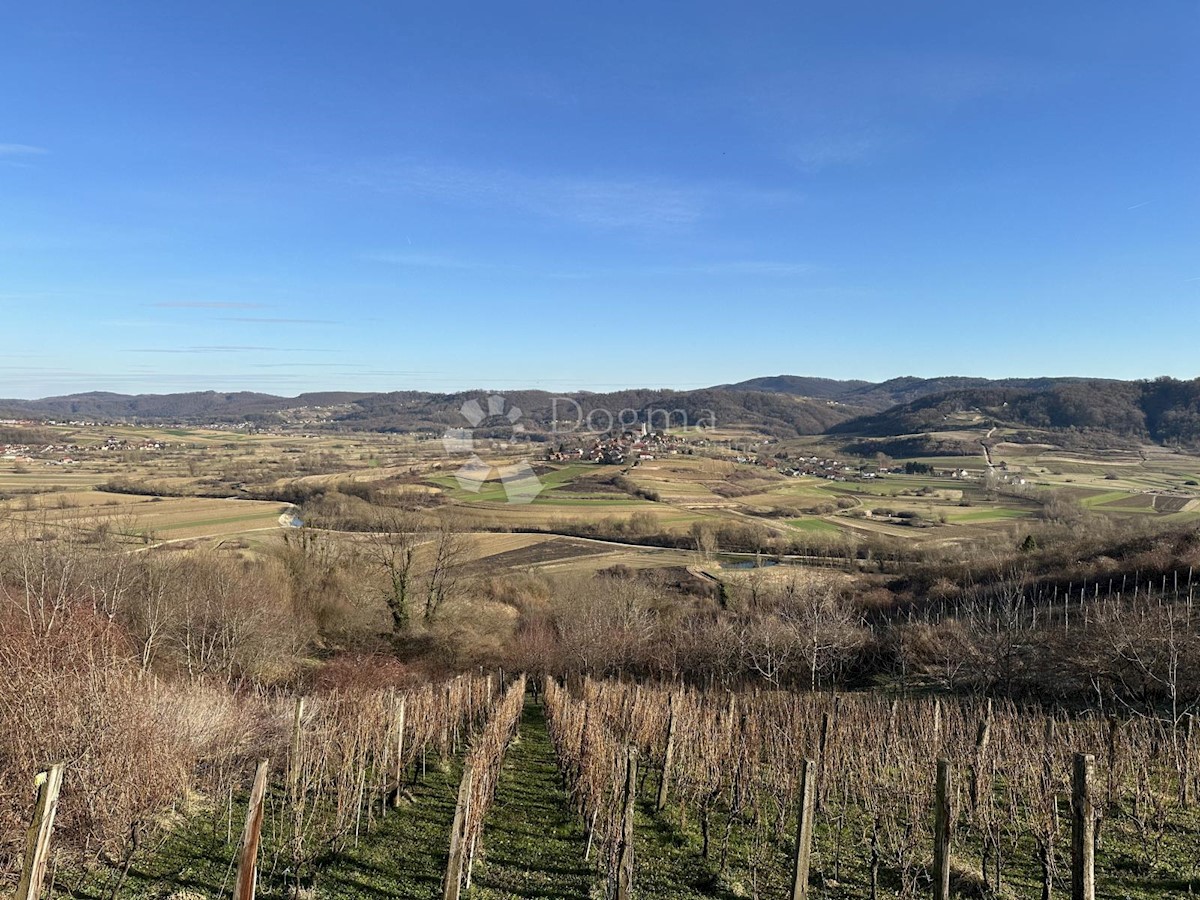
{"x": 771, "y": 413}
{"x": 1164, "y": 410}
{"x": 884, "y": 395}
{"x": 197, "y": 406}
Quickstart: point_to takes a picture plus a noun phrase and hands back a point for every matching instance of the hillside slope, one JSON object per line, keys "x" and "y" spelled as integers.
{"x": 1164, "y": 410}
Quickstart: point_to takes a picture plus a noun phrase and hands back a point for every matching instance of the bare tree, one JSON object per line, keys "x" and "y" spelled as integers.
{"x": 393, "y": 551}
{"x": 444, "y": 574}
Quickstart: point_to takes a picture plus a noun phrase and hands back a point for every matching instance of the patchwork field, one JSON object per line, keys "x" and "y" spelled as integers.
{"x": 150, "y": 520}
{"x": 170, "y": 484}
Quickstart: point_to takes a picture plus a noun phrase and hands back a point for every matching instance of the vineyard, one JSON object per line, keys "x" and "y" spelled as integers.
{"x": 270, "y": 792}
{"x": 673, "y": 792}
{"x": 723, "y": 773}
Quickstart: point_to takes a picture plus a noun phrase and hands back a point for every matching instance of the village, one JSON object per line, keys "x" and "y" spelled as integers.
{"x": 633, "y": 447}
{"x": 68, "y": 454}
{"x": 627, "y": 447}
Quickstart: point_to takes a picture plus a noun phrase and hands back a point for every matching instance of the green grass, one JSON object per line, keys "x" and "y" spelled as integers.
{"x": 533, "y": 848}
{"x": 406, "y": 856}
{"x": 533, "y": 841}
{"x": 402, "y": 856}
{"x": 267, "y": 519}
{"x": 1103, "y": 498}
{"x": 993, "y": 514}
{"x": 811, "y": 524}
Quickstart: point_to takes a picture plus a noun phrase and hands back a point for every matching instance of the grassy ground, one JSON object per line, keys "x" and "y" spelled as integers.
{"x": 403, "y": 856}
{"x": 533, "y": 847}
{"x": 533, "y": 841}
{"x": 813, "y": 524}
{"x": 406, "y": 856}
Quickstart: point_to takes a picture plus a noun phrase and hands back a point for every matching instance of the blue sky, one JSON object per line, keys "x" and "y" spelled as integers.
{"x": 376, "y": 196}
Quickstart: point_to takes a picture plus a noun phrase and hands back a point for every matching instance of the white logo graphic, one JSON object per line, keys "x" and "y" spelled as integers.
{"x": 521, "y": 483}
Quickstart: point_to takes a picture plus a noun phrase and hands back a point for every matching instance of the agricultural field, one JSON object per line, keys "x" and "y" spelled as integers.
{"x": 184, "y": 475}
{"x": 151, "y": 520}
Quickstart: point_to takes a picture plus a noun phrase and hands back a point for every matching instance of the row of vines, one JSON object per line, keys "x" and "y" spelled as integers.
{"x": 730, "y": 764}
{"x": 335, "y": 764}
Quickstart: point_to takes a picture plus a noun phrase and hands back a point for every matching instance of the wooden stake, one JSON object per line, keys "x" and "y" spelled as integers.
{"x": 982, "y": 738}
{"x": 297, "y": 733}
{"x": 454, "y": 865}
{"x": 804, "y": 829}
{"x": 399, "y": 752}
{"x": 823, "y": 757}
{"x": 37, "y": 843}
{"x": 247, "y": 870}
{"x": 625, "y": 848}
{"x": 668, "y": 754}
{"x": 1083, "y": 827}
{"x": 941, "y": 833}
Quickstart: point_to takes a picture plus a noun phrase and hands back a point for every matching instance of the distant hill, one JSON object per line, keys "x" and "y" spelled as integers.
{"x": 799, "y": 385}
{"x": 1164, "y": 410}
{"x": 771, "y": 413}
{"x": 199, "y": 406}
{"x": 777, "y": 414}
{"x": 883, "y": 395}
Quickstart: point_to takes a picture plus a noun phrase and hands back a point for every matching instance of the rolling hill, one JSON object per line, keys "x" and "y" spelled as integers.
{"x": 1163, "y": 410}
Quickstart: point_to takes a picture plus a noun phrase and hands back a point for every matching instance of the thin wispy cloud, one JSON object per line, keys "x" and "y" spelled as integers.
{"x": 748, "y": 267}
{"x": 814, "y": 154}
{"x": 20, "y": 156}
{"x": 744, "y": 268}
{"x": 764, "y": 267}
{"x": 308, "y": 365}
{"x": 857, "y": 111}
{"x": 259, "y": 320}
{"x": 227, "y": 348}
{"x": 205, "y": 304}
{"x": 608, "y": 203}
{"x": 18, "y": 150}
{"x": 424, "y": 260}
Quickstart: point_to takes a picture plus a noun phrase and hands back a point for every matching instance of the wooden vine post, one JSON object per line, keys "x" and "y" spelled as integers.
{"x": 454, "y": 864}
{"x": 400, "y": 714}
{"x": 668, "y": 754}
{"x": 941, "y": 833}
{"x": 37, "y": 844}
{"x": 1083, "y": 829}
{"x": 804, "y": 829}
{"x": 937, "y": 724}
{"x": 625, "y": 848}
{"x": 294, "y": 762}
{"x": 1185, "y": 762}
{"x": 982, "y": 739}
{"x": 823, "y": 757}
{"x": 247, "y": 869}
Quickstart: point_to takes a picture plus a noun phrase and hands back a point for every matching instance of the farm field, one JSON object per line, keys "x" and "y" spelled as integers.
{"x": 150, "y": 520}
{"x": 673, "y": 495}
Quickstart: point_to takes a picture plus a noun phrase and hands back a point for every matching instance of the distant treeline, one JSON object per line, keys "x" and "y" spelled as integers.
{"x": 22, "y": 435}
{"x": 1077, "y": 410}
{"x": 1165, "y": 410}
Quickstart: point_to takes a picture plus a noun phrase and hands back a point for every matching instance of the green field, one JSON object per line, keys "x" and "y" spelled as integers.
{"x": 818, "y": 525}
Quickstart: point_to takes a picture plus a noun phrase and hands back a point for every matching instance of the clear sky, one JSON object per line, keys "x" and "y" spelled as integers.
{"x": 284, "y": 196}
